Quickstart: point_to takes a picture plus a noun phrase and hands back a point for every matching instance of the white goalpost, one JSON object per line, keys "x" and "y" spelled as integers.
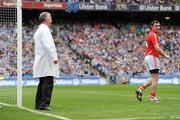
{"x": 19, "y": 53}
{"x": 11, "y": 53}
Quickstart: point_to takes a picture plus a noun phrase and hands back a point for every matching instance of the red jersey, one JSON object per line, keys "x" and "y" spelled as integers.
{"x": 151, "y": 40}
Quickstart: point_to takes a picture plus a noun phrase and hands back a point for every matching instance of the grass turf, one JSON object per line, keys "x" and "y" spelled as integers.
{"x": 100, "y": 102}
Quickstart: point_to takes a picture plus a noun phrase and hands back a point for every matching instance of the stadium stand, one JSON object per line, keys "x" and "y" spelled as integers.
{"x": 112, "y": 51}
{"x": 105, "y": 47}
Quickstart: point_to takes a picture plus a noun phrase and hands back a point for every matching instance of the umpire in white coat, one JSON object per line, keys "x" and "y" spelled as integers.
{"x": 45, "y": 66}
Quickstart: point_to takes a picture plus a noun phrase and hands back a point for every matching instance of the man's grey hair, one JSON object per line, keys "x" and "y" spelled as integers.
{"x": 43, "y": 16}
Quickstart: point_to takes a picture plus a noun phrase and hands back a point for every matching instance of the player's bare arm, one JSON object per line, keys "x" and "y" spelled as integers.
{"x": 161, "y": 51}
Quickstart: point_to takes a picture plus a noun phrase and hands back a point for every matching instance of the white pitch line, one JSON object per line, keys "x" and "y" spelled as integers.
{"x": 37, "y": 112}
{"x": 102, "y": 93}
{"x": 8, "y": 105}
{"x": 140, "y": 118}
{"x": 45, "y": 113}
{"x": 170, "y": 98}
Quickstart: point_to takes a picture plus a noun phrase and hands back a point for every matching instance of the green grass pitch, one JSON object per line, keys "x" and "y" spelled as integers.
{"x": 113, "y": 102}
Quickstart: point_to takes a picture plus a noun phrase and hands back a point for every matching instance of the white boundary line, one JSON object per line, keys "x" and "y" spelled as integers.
{"x": 45, "y": 113}
{"x": 102, "y": 93}
{"x": 8, "y": 105}
{"x": 37, "y": 112}
{"x": 141, "y": 118}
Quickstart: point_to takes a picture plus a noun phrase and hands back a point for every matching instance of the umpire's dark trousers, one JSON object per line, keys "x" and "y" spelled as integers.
{"x": 44, "y": 92}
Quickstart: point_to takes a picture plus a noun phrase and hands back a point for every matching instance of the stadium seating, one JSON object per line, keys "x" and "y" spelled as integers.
{"x": 113, "y": 51}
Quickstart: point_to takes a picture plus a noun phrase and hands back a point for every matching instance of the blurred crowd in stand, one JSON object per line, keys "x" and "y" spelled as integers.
{"x": 113, "y": 50}
{"x": 120, "y": 51}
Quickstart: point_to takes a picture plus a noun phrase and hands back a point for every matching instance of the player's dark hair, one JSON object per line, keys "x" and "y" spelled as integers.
{"x": 153, "y": 22}
{"x": 43, "y": 16}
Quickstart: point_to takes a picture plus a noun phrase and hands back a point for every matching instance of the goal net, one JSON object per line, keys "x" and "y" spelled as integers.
{"x": 9, "y": 52}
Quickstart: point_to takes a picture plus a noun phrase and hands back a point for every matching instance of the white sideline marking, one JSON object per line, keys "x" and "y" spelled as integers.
{"x": 102, "y": 93}
{"x": 141, "y": 118}
{"x": 45, "y": 113}
{"x": 8, "y": 105}
{"x": 37, "y": 112}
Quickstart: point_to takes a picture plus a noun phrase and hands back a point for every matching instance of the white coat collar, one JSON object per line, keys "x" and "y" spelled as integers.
{"x": 44, "y": 25}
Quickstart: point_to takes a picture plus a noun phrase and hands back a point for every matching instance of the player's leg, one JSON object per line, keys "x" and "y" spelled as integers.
{"x": 145, "y": 85}
{"x": 140, "y": 89}
{"x": 155, "y": 78}
{"x": 152, "y": 65}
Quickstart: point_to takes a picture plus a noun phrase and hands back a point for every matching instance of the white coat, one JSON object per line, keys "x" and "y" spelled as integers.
{"x": 45, "y": 53}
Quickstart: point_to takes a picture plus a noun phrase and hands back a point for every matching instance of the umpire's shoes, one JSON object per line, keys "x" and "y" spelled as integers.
{"x": 44, "y": 108}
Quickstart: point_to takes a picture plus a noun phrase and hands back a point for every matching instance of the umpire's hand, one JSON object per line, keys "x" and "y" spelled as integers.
{"x": 55, "y": 61}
